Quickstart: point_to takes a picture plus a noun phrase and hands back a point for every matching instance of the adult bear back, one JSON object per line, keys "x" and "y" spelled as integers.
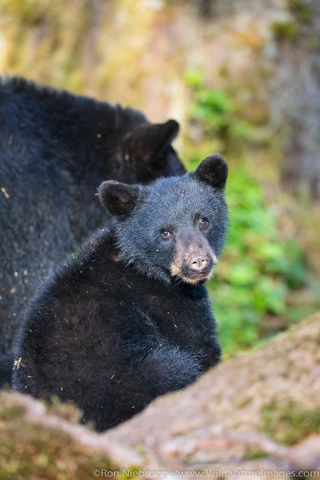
{"x": 55, "y": 148}
{"x": 130, "y": 319}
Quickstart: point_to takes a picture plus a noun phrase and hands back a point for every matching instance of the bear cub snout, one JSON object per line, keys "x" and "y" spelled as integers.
{"x": 129, "y": 319}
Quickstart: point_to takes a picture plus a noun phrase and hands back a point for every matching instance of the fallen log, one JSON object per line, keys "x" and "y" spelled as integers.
{"x": 256, "y": 414}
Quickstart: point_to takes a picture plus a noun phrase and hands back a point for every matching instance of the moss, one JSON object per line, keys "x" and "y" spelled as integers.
{"x": 255, "y": 454}
{"x": 285, "y": 30}
{"x": 301, "y": 10}
{"x": 67, "y": 411}
{"x": 10, "y": 413}
{"x": 289, "y": 423}
{"x": 36, "y": 452}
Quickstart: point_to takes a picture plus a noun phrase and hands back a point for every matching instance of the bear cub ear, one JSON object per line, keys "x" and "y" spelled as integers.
{"x": 118, "y": 198}
{"x": 212, "y": 170}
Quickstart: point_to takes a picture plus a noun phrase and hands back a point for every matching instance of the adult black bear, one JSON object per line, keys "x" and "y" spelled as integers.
{"x": 55, "y": 148}
{"x": 129, "y": 319}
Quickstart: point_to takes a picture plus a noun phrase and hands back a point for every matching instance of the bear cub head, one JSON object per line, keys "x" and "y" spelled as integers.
{"x": 173, "y": 229}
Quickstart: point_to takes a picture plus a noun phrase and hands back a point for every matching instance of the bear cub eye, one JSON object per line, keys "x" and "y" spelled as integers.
{"x": 165, "y": 234}
{"x": 203, "y": 223}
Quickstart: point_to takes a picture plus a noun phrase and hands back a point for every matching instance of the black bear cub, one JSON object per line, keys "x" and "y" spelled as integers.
{"x": 130, "y": 319}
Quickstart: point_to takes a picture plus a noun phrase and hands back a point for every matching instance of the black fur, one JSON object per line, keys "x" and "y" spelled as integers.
{"x": 113, "y": 329}
{"x": 55, "y": 148}
{"x": 6, "y": 367}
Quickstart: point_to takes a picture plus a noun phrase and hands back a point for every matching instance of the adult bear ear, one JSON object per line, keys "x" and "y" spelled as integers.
{"x": 160, "y": 135}
{"x": 212, "y": 170}
{"x": 150, "y": 139}
{"x": 118, "y": 198}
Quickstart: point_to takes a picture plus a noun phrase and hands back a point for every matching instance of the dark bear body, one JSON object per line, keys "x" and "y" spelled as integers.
{"x": 129, "y": 319}
{"x": 55, "y": 148}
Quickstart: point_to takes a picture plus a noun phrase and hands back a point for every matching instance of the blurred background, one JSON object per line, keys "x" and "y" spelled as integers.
{"x": 243, "y": 78}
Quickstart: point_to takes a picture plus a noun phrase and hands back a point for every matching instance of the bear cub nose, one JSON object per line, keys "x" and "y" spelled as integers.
{"x": 199, "y": 263}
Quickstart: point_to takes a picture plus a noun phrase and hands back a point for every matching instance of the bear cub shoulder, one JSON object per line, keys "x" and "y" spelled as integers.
{"x": 129, "y": 319}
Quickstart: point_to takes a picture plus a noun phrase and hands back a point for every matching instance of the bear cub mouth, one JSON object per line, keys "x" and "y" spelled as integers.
{"x": 189, "y": 276}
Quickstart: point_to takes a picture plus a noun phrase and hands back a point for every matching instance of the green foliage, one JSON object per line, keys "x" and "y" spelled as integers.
{"x": 259, "y": 272}
{"x": 216, "y": 113}
{"x": 258, "y": 269}
{"x": 285, "y": 30}
{"x": 289, "y": 423}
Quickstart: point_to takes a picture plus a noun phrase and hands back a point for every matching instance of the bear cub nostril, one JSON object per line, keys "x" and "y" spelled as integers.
{"x": 199, "y": 263}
